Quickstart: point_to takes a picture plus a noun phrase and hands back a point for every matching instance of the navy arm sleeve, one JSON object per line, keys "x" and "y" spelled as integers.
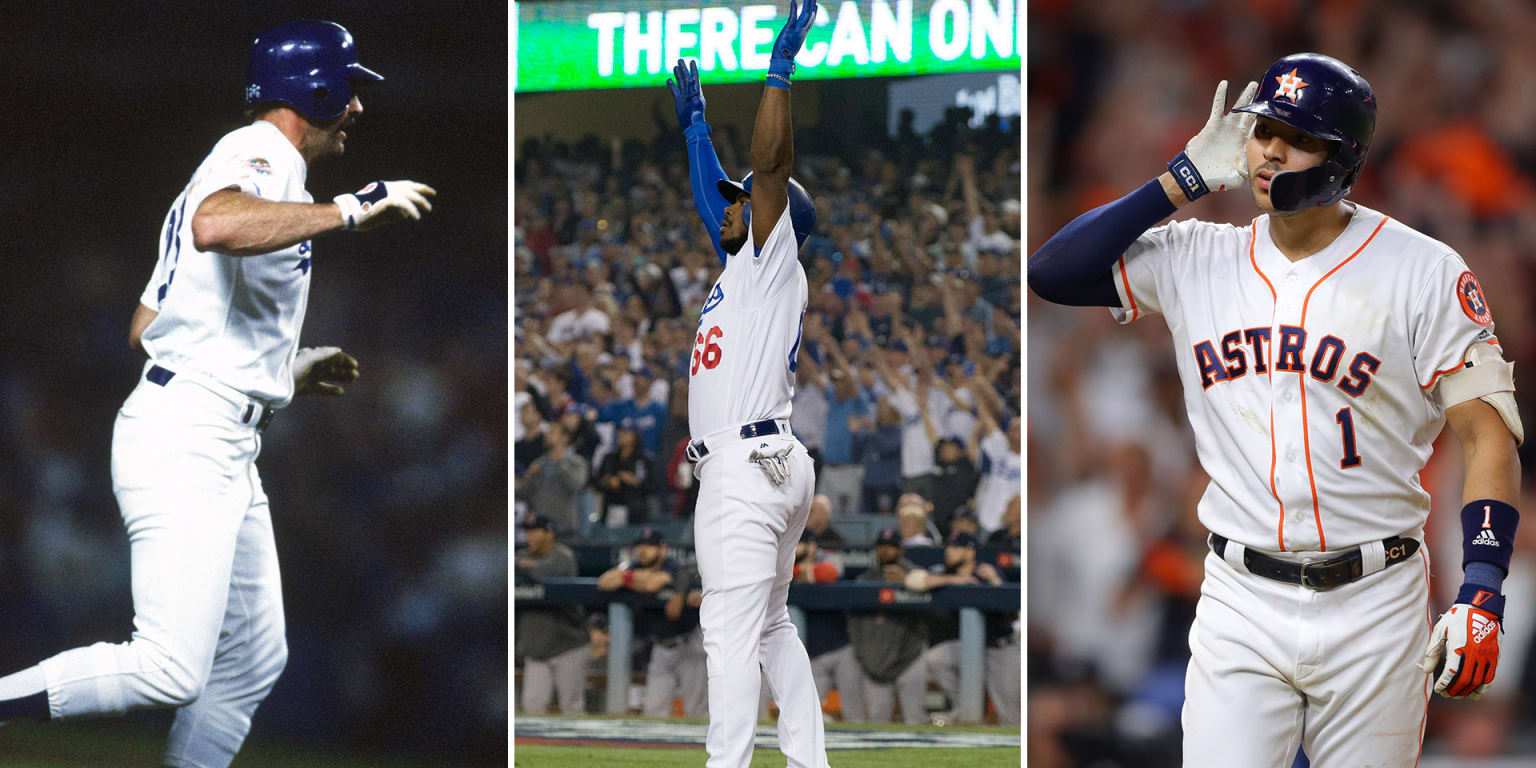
{"x": 1075, "y": 267}
{"x": 704, "y": 175}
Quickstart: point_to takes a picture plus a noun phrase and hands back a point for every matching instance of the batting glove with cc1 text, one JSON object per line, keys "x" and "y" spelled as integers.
{"x": 1216, "y": 158}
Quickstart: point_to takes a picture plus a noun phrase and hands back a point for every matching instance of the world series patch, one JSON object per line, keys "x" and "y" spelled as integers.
{"x": 1472, "y": 301}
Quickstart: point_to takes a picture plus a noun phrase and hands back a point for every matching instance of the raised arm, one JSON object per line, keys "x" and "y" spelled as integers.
{"x": 773, "y": 150}
{"x": 704, "y": 170}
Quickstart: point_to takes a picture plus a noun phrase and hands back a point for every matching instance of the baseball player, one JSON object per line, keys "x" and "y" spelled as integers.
{"x": 220, "y": 323}
{"x": 755, "y": 479}
{"x": 1322, "y": 347}
{"x": 554, "y": 642}
{"x": 677, "y": 656}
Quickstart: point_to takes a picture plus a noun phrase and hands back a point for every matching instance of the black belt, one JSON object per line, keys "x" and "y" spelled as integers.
{"x": 162, "y": 376}
{"x": 1326, "y": 574}
{"x": 755, "y": 429}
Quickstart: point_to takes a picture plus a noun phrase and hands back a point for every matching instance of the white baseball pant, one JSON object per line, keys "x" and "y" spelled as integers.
{"x": 1275, "y": 666}
{"x": 744, "y": 530}
{"x": 910, "y": 688}
{"x": 563, "y": 675}
{"x": 839, "y": 669}
{"x": 208, "y": 617}
{"x": 678, "y": 669}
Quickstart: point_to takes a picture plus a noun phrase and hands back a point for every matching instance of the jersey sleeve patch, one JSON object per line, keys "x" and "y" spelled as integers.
{"x": 1470, "y": 294}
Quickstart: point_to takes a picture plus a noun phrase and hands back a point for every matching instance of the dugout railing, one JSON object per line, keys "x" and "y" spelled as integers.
{"x": 969, "y": 601}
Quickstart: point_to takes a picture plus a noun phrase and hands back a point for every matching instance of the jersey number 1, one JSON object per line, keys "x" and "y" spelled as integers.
{"x": 1347, "y": 426}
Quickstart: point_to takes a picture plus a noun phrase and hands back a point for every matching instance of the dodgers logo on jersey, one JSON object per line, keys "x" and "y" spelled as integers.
{"x": 1290, "y": 86}
{"x": 1472, "y": 302}
{"x": 715, "y": 297}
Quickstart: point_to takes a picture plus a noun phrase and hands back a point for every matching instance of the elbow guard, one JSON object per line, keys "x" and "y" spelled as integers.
{"x": 1487, "y": 376}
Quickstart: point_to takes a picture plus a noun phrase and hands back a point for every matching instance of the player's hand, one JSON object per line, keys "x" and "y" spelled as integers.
{"x": 792, "y": 36}
{"x": 687, "y": 93}
{"x": 1218, "y": 152}
{"x": 893, "y": 573}
{"x": 382, "y": 202}
{"x": 322, "y": 371}
{"x": 1466, "y": 642}
{"x": 775, "y": 464}
{"x": 674, "y": 607}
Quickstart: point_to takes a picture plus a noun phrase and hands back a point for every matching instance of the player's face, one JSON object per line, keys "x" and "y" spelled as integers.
{"x": 733, "y": 228}
{"x": 1274, "y": 147}
{"x": 329, "y": 137}
{"x": 648, "y": 555}
{"x": 956, "y": 556}
{"x": 539, "y": 540}
{"x": 887, "y": 553}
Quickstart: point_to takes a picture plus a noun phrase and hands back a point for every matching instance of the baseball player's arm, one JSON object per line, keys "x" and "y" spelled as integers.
{"x": 773, "y": 149}
{"x": 234, "y": 223}
{"x": 613, "y": 578}
{"x": 704, "y": 171}
{"x": 650, "y": 580}
{"x": 1463, "y": 649}
{"x": 142, "y": 317}
{"x": 1074, "y": 266}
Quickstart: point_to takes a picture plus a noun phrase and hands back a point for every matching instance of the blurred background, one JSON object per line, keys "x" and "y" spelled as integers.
{"x": 914, "y": 305}
{"x": 390, "y": 505}
{"x": 1115, "y": 90}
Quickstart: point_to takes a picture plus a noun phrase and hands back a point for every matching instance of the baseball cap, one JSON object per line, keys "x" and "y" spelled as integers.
{"x": 888, "y": 536}
{"x": 808, "y": 535}
{"x": 650, "y": 536}
{"x": 962, "y": 539}
{"x": 540, "y": 523}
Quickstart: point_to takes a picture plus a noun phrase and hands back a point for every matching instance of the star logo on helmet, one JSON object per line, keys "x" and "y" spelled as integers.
{"x": 1290, "y": 86}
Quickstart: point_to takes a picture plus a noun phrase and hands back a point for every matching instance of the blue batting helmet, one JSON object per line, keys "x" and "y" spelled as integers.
{"x": 309, "y": 65}
{"x": 1326, "y": 98}
{"x": 802, "y": 212}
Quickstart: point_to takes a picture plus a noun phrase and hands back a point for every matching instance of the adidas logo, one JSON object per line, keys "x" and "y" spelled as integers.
{"x": 1481, "y": 626}
{"x": 1486, "y": 538}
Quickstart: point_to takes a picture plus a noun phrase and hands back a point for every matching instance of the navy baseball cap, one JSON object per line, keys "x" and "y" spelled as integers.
{"x": 650, "y": 536}
{"x": 888, "y": 536}
{"x": 541, "y": 523}
{"x": 962, "y": 539}
{"x": 808, "y": 535}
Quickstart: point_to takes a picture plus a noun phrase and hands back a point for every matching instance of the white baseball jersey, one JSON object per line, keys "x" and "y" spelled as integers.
{"x": 235, "y": 319}
{"x": 748, "y": 339}
{"x": 1308, "y": 383}
{"x": 1001, "y": 469}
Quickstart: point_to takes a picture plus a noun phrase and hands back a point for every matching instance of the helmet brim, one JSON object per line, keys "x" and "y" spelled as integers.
{"x": 730, "y": 190}
{"x": 1298, "y": 118}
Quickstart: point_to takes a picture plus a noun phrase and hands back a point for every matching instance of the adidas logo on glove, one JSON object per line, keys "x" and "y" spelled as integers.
{"x": 1481, "y": 626}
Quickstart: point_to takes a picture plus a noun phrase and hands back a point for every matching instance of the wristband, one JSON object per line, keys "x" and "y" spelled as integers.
{"x": 629, "y": 579}
{"x": 1488, "y": 533}
{"x": 1187, "y": 177}
{"x": 1482, "y": 599}
{"x": 777, "y": 81}
{"x": 779, "y": 71}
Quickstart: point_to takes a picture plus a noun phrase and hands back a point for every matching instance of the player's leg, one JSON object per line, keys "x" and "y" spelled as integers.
{"x": 182, "y": 512}
{"x": 912, "y": 691}
{"x": 538, "y": 685}
{"x": 660, "y": 680}
{"x": 1240, "y": 709}
{"x": 692, "y": 678}
{"x": 879, "y": 700}
{"x": 570, "y": 672}
{"x": 252, "y": 650}
{"x": 821, "y": 672}
{"x": 850, "y": 685}
{"x": 1367, "y": 695}
{"x": 737, "y": 557}
{"x": 943, "y": 662}
{"x": 1003, "y": 682}
{"x": 783, "y": 656}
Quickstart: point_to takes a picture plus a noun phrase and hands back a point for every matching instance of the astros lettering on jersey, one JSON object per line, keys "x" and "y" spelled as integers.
{"x": 1307, "y": 383}
{"x": 235, "y": 319}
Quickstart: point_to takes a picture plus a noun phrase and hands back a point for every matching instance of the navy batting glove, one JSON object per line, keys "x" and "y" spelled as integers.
{"x": 790, "y": 39}
{"x": 687, "y": 94}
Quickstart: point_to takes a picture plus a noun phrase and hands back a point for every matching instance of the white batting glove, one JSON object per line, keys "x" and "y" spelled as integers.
{"x": 774, "y": 463}
{"x": 1467, "y": 639}
{"x": 1216, "y": 158}
{"x": 322, "y": 371}
{"x": 382, "y": 202}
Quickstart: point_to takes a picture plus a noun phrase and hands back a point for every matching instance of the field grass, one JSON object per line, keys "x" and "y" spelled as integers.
{"x": 531, "y": 756}
{"x": 111, "y": 744}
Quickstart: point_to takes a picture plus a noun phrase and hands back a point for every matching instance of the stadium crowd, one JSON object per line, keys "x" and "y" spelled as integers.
{"x": 907, "y": 382}
{"x": 1110, "y": 100}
